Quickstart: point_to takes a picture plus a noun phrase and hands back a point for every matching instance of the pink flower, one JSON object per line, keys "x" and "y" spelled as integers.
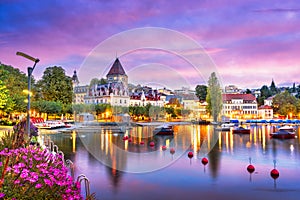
{"x": 2, "y": 195}
{"x": 48, "y": 182}
{"x": 39, "y": 185}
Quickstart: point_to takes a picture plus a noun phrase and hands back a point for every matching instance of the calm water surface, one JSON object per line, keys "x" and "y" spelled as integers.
{"x": 119, "y": 169}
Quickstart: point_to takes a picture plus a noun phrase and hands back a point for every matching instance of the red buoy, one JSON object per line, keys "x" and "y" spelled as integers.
{"x": 274, "y": 173}
{"x": 172, "y": 150}
{"x": 190, "y": 154}
{"x": 204, "y": 161}
{"x": 142, "y": 142}
{"x": 164, "y": 148}
{"x": 125, "y": 137}
{"x": 129, "y": 140}
{"x": 152, "y": 144}
{"x": 250, "y": 169}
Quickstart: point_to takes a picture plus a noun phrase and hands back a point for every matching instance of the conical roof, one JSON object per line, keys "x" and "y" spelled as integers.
{"x": 75, "y": 77}
{"x": 116, "y": 69}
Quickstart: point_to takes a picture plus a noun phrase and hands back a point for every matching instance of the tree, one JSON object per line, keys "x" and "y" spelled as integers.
{"x": 3, "y": 96}
{"x": 49, "y": 107}
{"x": 214, "y": 97}
{"x": 273, "y": 89}
{"x": 55, "y": 85}
{"x": 15, "y": 82}
{"x": 284, "y": 103}
{"x": 248, "y": 91}
{"x": 201, "y": 92}
{"x": 264, "y": 94}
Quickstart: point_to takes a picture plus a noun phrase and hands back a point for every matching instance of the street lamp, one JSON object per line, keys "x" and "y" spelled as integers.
{"x": 29, "y": 70}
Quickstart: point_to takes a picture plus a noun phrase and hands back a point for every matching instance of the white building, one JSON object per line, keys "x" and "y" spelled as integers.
{"x": 239, "y": 106}
{"x": 265, "y": 112}
{"x": 142, "y": 99}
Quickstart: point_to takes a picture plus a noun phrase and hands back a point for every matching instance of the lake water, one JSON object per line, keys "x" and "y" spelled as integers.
{"x": 124, "y": 169}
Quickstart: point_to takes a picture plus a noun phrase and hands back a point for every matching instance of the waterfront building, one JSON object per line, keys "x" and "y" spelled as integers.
{"x": 239, "y": 106}
{"x": 152, "y": 97}
{"x": 114, "y": 92}
{"x": 265, "y": 112}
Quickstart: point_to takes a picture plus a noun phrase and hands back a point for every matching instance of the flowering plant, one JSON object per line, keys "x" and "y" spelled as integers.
{"x": 30, "y": 172}
{"x": 33, "y": 173}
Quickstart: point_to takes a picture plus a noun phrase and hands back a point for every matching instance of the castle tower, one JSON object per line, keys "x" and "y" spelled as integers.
{"x": 117, "y": 74}
{"x": 75, "y": 80}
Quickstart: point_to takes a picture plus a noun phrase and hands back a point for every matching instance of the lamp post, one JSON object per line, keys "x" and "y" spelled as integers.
{"x": 29, "y": 70}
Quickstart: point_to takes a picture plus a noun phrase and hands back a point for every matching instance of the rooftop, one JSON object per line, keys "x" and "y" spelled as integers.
{"x": 116, "y": 68}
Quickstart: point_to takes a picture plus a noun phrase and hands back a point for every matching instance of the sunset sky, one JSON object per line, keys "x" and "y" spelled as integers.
{"x": 250, "y": 42}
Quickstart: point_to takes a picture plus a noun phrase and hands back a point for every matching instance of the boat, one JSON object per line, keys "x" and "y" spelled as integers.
{"x": 224, "y": 127}
{"x": 69, "y": 123}
{"x": 53, "y": 124}
{"x": 241, "y": 130}
{"x": 287, "y": 128}
{"x": 201, "y": 122}
{"x": 283, "y": 134}
{"x": 163, "y": 130}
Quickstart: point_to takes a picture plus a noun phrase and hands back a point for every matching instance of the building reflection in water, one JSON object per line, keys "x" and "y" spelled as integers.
{"x": 119, "y": 155}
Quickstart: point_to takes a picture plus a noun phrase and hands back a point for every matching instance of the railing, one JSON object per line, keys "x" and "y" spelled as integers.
{"x": 49, "y": 144}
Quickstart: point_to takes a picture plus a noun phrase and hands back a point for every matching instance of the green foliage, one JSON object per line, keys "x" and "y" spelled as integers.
{"x": 3, "y": 95}
{"x": 273, "y": 89}
{"x": 248, "y": 91}
{"x": 201, "y": 92}
{"x": 264, "y": 94}
{"x": 15, "y": 82}
{"x": 214, "y": 97}
{"x": 67, "y": 108}
{"x": 95, "y": 81}
{"x": 102, "y": 108}
{"x": 55, "y": 85}
{"x": 285, "y": 103}
{"x": 50, "y": 107}
{"x": 171, "y": 110}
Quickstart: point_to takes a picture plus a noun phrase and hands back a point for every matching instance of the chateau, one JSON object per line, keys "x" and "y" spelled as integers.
{"x": 115, "y": 92}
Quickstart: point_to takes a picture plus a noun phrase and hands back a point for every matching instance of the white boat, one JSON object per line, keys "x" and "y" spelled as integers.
{"x": 225, "y": 125}
{"x": 287, "y": 128}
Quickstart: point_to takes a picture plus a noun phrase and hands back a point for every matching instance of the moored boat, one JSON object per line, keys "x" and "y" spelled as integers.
{"x": 287, "y": 128}
{"x": 282, "y": 134}
{"x": 241, "y": 130}
{"x": 163, "y": 130}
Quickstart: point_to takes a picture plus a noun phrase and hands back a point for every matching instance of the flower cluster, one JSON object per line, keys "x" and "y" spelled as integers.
{"x": 33, "y": 173}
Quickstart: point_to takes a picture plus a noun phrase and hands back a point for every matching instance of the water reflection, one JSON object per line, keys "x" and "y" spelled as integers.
{"x": 227, "y": 153}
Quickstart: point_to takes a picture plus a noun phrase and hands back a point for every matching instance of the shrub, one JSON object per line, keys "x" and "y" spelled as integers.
{"x": 30, "y": 172}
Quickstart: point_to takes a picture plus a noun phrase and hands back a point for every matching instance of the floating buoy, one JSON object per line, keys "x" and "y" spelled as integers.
{"x": 172, "y": 151}
{"x": 142, "y": 142}
{"x": 274, "y": 173}
{"x": 204, "y": 161}
{"x": 250, "y": 169}
{"x": 164, "y": 148}
{"x": 152, "y": 144}
{"x": 125, "y": 137}
{"x": 190, "y": 154}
